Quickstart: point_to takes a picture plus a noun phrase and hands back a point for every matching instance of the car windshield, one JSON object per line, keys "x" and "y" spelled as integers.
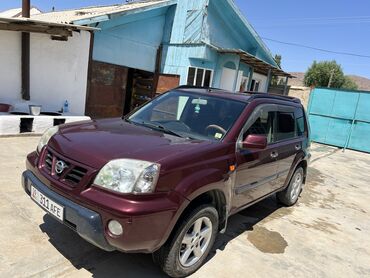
{"x": 190, "y": 115}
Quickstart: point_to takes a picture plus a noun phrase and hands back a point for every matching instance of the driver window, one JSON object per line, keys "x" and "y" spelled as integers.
{"x": 263, "y": 125}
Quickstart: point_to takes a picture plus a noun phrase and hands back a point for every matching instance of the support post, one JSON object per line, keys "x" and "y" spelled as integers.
{"x": 286, "y": 86}
{"x": 236, "y": 77}
{"x": 269, "y": 76}
{"x": 26, "y": 54}
{"x": 250, "y": 79}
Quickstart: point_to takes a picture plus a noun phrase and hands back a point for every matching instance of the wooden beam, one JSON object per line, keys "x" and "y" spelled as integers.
{"x": 57, "y": 31}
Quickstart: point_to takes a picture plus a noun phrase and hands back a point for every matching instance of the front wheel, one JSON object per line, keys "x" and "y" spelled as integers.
{"x": 291, "y": 194}
{"x": 185, "y": 253}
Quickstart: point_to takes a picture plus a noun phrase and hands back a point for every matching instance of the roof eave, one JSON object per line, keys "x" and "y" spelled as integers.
{"x": 251, "y": 30}
{"x": 255, "y": 62}
{"x": 108, "y": 16}
{"x": 30, "y": 21}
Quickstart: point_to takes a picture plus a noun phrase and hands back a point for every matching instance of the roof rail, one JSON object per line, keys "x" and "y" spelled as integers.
{"x": 256, "y": 95}
{"x": 198, "y": 87}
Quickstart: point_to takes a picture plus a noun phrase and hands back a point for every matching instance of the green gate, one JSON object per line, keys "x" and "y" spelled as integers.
{"x": 340, "y": 118}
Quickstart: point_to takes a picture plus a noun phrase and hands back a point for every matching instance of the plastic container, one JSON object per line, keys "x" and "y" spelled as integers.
{"x": 66, "y": 107}
{"x": 35, "y": 110}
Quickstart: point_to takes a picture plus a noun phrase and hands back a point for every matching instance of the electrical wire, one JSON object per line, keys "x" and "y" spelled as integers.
{"x": 318, "y": 49}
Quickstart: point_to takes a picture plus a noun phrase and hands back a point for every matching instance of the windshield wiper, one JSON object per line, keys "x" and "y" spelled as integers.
{"x": 161, "y": 128}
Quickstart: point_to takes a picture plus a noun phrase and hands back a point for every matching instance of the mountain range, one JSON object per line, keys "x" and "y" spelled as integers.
{"x": 363, "y": 83}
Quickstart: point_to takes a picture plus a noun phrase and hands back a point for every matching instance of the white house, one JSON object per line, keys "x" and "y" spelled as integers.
{"x": 59, "y": 58}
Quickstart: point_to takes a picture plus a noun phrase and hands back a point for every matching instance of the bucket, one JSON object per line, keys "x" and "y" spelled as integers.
{"x": 35, "y": 110}
{"x": 5, "y": 107}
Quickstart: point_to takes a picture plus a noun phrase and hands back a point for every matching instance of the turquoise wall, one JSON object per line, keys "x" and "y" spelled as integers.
{"x": 131, "y": 41}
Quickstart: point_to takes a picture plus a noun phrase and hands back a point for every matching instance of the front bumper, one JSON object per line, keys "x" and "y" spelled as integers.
{"x": 87, "y": 223}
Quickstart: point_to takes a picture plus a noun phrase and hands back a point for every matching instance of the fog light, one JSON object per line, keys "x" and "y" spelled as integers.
{"x": 115, "y": 228}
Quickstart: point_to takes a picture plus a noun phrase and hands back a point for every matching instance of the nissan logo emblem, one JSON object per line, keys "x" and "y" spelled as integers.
{"x": 60, "y": 166}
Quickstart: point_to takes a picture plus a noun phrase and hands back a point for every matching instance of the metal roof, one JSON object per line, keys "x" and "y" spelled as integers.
{"x": 70, "y": 16}
{"x": 257, "y": 64}
{"x": 18, "y": 12}
{"x": 38, "y": 26}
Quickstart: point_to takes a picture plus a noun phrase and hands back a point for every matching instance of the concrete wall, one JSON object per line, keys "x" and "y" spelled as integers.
{"x": 58, "y": 71}
{"x": 303, "y": 93}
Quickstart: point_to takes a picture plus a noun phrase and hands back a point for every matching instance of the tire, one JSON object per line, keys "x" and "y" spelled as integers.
{"x": 290, "y": 195}
{"x": 172, "y": 256}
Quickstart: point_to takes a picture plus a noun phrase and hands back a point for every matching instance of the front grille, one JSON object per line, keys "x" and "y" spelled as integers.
{"x": 70, "y": 173}
{"x": 48, "y": 161}
{"x": 76, "y": 175}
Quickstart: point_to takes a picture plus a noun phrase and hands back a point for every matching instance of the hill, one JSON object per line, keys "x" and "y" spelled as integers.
{"x": 363, "y": 83}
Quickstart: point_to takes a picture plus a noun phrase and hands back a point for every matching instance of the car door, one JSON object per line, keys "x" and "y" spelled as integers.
{"x": 256, "y": 169}
{"x": 289, "y": 139}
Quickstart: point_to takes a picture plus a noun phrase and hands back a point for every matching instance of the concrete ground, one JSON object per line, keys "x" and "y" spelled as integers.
{"x": 326, "y": 235}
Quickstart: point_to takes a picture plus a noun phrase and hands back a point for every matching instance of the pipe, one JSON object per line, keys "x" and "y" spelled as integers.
{"x": 26, "y": 10}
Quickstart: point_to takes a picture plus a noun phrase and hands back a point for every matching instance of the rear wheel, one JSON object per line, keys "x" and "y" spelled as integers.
{"x": 290, "y": 195}
{"x": 186, "y": 251}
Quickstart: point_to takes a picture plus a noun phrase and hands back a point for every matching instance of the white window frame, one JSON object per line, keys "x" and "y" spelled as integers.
{"x": 204, "y": 75}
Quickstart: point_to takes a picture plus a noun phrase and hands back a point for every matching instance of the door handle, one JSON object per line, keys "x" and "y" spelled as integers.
{"x": 274, "y": 154}
{"x": 298, "y": 147}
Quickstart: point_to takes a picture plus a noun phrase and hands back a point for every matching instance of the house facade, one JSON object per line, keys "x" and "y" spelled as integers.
{"x": 142, "y": 48}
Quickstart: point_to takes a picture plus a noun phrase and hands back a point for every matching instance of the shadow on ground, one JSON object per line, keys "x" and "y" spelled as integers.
{"x": 83, "y": 255}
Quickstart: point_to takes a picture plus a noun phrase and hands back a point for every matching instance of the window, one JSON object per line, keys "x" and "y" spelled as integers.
{"x": 301, "y": 123}
{"x": 264, "y": 125}
{"x": 286, "y": 126}
{"x": 200, "y": 77}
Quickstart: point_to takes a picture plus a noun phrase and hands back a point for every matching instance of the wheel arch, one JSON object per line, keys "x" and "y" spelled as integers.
{"x": 215, "y": 198}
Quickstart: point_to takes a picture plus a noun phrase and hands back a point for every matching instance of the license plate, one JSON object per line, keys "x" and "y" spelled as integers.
{"x": 49, "y": 205}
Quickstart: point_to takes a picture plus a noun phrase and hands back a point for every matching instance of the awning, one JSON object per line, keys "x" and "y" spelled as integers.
{"x": 257, "y": 64}
{"x": 36, "y": 26}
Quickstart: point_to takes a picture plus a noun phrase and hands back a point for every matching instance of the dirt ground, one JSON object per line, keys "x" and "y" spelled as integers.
{"x": 326, "y": 235}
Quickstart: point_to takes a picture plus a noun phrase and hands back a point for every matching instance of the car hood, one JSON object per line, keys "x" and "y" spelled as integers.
{"x": 94, "y": 143}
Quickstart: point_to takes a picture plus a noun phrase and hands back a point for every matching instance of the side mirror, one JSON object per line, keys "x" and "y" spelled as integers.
{"x": 254, "y": 141}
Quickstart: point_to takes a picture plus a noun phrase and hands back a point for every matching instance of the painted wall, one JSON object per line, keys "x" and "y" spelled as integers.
{"x": 10, "y": 66}
{"x": 225, "y": 33}
{"x": 132, "y": 40}
{"x": 178, "y": 58}
{"x": 58, "y": 71}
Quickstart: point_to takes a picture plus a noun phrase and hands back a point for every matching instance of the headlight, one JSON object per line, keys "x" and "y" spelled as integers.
{"x": 46, "y": 137}
{"x": 128, "y": 176}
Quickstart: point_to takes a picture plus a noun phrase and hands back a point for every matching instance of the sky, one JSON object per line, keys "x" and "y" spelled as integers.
{"x": 334, "y": 25}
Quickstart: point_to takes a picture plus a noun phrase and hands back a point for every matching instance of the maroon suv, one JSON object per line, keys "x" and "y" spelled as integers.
{"x": 165, "y": 179}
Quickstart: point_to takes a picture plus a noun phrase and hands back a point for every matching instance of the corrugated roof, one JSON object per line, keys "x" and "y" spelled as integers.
{"x": 257, "y": 64}
{"x": 70, "y": 16}
{"x": 23, "y": 23}
{"x": 18, "y": 12}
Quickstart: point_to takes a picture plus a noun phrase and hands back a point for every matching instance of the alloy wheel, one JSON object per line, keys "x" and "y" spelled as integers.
{"x": 195, "y": 242}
